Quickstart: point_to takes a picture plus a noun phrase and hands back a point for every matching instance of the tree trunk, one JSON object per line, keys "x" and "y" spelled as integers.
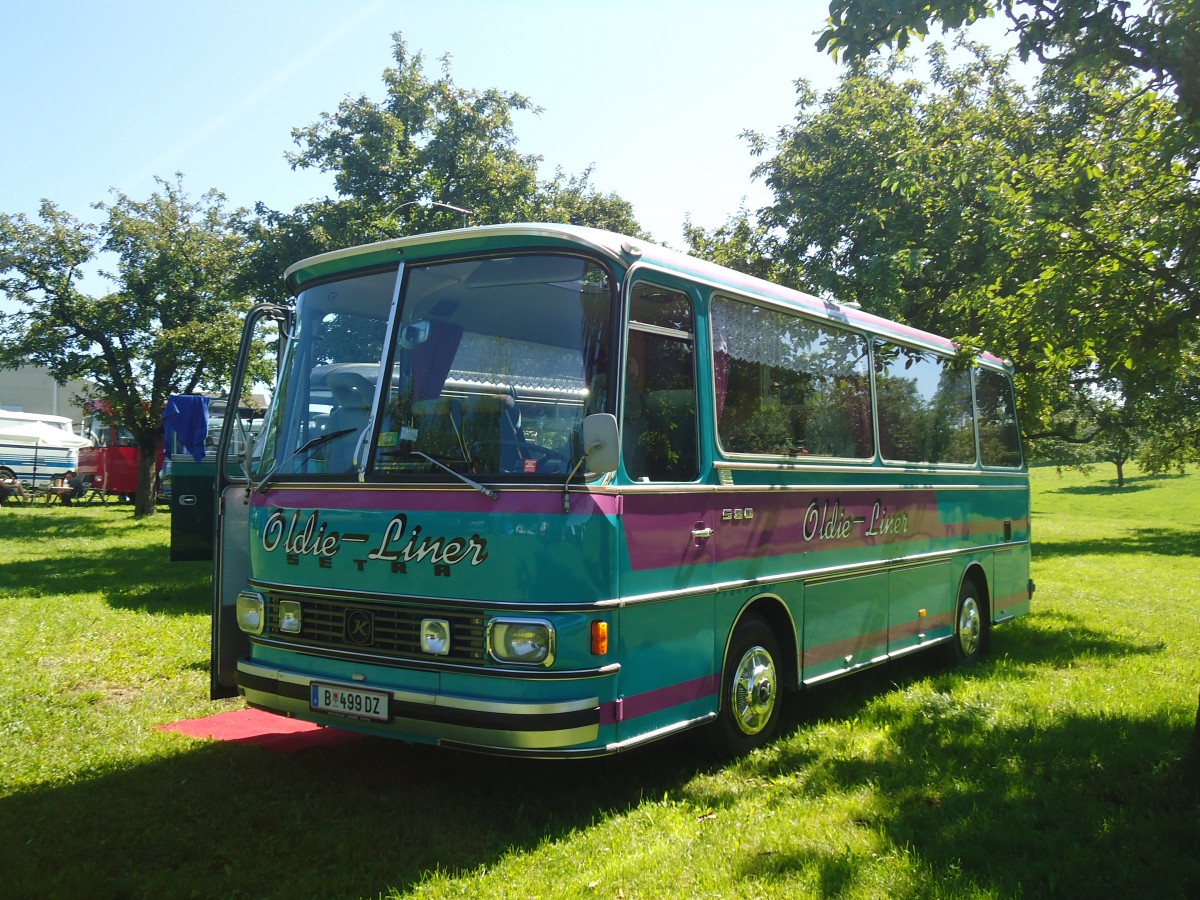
{"x": 146, "y": 499}
{"x": 1120, "y": 473}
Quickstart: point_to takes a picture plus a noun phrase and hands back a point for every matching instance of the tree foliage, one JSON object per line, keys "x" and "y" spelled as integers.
{"x": 171, "y": 325}
{"x": 1055, "y": 225}
{"x": 430, "y": 155}
{"x": 1159, "y": 39}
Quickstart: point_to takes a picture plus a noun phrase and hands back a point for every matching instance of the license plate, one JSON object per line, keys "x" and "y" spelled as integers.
{"x": 333, "y": 698}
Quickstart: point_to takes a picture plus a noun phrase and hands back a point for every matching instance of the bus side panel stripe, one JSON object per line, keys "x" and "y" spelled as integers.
{"x": 658, "y": 700}
{"x": 790, "y": 527}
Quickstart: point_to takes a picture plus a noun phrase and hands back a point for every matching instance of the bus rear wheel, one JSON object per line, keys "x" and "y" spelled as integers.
{"x": 750, "y": 691}
{"x": 970, "y": 625}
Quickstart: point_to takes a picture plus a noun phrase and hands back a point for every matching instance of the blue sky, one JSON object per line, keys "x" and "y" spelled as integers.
{"x": 106, "y": 95}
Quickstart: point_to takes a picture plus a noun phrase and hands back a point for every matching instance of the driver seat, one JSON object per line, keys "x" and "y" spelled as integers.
{"x": 353, "y": 394}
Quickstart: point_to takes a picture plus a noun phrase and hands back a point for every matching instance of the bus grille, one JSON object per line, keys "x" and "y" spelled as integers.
{"x": 376, "y": 628}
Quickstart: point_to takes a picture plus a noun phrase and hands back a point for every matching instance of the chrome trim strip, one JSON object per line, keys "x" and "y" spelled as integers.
{"x": 806, "y": 575}
{"x": 874, "y": 661}
{"x": 421, "y": 665}
{"x": 418, "y": 600}
{"x": 658, "y": 733}
{"x": 604, "y": 485}
{"x": 585, "y": 752}
{"x": 860, "y": 486}
{"x": 294, "y": 483}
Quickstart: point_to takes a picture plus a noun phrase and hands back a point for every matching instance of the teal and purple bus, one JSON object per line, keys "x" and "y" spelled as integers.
{"x": 551, "y": 491}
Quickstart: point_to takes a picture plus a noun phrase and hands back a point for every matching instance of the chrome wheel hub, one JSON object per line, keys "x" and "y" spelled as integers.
{"x": 970, "y": 626}
{"x": 754, "y": 691}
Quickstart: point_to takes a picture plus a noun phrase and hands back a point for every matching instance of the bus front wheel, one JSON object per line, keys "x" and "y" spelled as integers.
{"x": 750, "y": 691}
{"x": 970, "y": 625}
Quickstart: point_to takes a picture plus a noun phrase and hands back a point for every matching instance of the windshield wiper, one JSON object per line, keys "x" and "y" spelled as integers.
{"x": 321, "y": 439}
{"x": 486, "y": 491}
{"x": 303, "y": 448}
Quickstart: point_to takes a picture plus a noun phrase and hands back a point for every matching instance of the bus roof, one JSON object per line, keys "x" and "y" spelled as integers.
{"x": 625, "y": 251}
{"x": 15, "y": 416}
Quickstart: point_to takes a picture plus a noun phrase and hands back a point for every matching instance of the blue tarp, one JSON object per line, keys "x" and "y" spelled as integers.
{"x": 187, "y": 416}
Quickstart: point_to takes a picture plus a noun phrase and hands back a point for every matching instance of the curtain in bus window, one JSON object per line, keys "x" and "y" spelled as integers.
{"x": 999, "y": 437}
{"x": 789, "y": 386}
{"x": 431, "y": 360}
{"x": 925, "y": 412}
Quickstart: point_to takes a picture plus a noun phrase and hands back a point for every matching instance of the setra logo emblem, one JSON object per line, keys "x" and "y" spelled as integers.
{"x": 360, "y": 627}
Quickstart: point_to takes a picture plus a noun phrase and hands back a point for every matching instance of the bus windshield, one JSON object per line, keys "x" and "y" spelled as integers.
{"x": 487, "y": 368}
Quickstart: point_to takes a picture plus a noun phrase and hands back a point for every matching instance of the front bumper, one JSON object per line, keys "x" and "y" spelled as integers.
{"x": 571, "y": 724}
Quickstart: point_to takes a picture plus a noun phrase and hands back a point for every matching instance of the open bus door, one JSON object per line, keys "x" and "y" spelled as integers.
{"x": 265, "y": 324}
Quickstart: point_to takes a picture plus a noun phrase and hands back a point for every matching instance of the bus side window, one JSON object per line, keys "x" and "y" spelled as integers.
{"x": 660, "y": 439}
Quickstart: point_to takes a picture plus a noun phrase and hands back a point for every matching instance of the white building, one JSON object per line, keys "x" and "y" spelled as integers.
{"x": 32, "y": 389}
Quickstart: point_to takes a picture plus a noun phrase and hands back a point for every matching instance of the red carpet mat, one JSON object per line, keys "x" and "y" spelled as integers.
{"x": 252, "y": 726}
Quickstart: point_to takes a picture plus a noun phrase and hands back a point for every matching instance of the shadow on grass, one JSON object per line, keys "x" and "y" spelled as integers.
{"x": 1152, "y": 541}
{"x": 137, "y": 576}
{"x": 1109, "y": 487}
{"x": 353, "y": 820}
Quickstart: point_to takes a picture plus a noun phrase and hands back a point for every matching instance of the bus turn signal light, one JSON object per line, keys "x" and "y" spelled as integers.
{"x": 599, "y": 638}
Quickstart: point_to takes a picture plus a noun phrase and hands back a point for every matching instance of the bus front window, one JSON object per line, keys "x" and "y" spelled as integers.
{"x": 493, "y": 366}
{"x": 496, "y": 363}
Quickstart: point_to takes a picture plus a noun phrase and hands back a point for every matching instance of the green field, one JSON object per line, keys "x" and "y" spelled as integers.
{"x": 1060, "y": 767}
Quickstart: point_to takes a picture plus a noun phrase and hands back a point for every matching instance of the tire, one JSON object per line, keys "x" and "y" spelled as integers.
{"x": 750, "y": 697}
{"x": 969, "y": 638}
{"x": 6, "y": 472}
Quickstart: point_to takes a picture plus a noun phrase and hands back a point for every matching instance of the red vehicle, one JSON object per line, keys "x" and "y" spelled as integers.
{"x": 111, "y": 465}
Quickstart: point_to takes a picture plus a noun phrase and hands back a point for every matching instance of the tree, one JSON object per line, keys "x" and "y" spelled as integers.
{"x": 1055, "y": 225}
{"x": 430, "y": 155}
{"x": 1159, "y": 39}
{"x": 170, "y": 326}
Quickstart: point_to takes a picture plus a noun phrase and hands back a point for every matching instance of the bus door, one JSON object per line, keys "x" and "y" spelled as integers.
{"x": 666, "y": 643}
{"x": 231, "y": 541}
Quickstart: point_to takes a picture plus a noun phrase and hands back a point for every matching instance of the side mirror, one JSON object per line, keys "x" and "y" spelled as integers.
{"x": 601, "y": 443}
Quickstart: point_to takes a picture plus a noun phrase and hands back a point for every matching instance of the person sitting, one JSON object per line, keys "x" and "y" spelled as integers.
{"x": 10, "y": 488}
{"x": 69, "y": 488}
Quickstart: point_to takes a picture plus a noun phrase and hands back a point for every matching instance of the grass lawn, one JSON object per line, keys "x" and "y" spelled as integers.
{"x": 1060, "y": 767}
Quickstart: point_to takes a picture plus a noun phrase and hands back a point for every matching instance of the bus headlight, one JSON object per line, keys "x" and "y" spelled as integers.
{"x": 526, "y": 641}
{"x": 435, "y": 636}
{"x": 290, "y": 621}
{"x": 251, "y": 612}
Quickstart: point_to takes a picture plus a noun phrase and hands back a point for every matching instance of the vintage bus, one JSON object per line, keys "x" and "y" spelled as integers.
{"x": 546, "y": 490}
{"x": 111, "y": 463}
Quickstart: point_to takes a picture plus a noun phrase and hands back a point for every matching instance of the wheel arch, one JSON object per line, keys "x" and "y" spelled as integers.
{"x": 772, "y": 609}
